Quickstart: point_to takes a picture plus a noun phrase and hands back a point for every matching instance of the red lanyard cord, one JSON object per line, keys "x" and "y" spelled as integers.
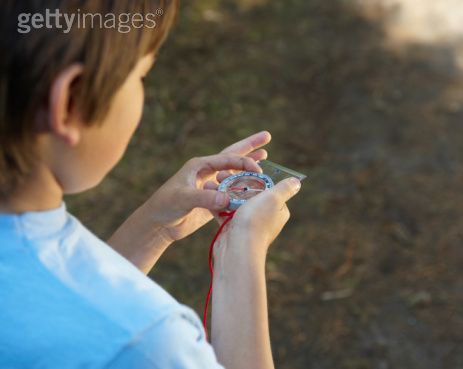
{"x": 229, "y": 216}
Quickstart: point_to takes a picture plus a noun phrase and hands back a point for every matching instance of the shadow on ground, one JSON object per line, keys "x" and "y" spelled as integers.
{"x": 368, "y": 274}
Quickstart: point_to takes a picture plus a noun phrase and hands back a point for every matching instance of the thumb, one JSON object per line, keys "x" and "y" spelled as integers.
{"x": 286, "y": 189}
{"x": 207, "y": 199}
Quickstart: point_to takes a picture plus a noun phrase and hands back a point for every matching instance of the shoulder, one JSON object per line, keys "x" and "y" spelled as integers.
{"x": 67, "y": 297}
{"x": 176, "y": 341}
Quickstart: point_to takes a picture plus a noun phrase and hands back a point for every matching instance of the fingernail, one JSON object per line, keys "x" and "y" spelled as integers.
{"x": 221, "y": 199}
{"x": 295, "y": 184}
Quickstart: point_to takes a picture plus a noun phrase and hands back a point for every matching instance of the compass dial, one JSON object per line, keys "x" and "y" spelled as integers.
{"x": 243, "y": 186}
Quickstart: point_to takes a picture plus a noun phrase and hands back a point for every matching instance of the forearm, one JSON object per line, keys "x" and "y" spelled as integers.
{"x": 140, "y": 240}
{"x": 240, "y": 330}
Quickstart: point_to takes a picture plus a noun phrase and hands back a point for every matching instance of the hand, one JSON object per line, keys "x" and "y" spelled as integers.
{"x": 258, "y": 222}
{"x": 188, "y": 200}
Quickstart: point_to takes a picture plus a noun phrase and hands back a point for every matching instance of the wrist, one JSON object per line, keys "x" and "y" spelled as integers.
{"x": 237, "y": 252}
{"x": 140, "y": 240}
{"x": 145, "y": 216}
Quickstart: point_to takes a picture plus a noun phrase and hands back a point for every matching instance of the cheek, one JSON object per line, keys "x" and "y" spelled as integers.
{"x": 130, "y": 107}
{"x": 117, "y": 129}
{"x": 126, "y": 115}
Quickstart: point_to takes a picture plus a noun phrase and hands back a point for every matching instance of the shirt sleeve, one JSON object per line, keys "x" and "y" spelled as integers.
{"x": 176, "y": 342}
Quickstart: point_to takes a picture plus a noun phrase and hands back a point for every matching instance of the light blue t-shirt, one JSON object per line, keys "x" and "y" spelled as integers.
{"x": 68, "y": 300}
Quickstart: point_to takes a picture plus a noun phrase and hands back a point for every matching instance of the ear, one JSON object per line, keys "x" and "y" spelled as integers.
{"x": 62, "y": 120}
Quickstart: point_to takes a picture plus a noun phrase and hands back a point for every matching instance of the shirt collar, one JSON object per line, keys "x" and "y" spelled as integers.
{"x": 36, "y": 223}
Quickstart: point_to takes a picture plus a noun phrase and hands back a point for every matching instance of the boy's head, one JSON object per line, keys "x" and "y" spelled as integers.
{"x": 71, "y": 85}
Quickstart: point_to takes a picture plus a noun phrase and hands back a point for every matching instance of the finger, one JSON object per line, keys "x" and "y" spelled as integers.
{"x": 286, "y": 189}
{"x": 223, "y": 175}
{"x": 246, "y": 146}
{"x": 257, "y": 155}
{"x": 260, "y": 154}
{"x": 210, "y": 164}
{"x": 211, "y": 185}
{"x": 207, "y": 199}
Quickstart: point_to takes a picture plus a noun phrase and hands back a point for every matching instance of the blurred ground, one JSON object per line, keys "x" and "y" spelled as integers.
{"x": 368, "y": 273}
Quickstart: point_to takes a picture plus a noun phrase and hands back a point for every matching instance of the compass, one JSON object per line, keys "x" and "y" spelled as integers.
{"x": 244, "y": 186}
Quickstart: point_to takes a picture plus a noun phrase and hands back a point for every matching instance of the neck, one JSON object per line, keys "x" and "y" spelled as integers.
{"x": 40, "y": 191}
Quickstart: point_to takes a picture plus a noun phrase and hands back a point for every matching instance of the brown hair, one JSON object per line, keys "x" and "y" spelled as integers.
{"x": 30, "y": 62}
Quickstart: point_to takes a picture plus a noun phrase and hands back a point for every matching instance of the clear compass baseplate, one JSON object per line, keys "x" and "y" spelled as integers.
{"x": 245, "y": 185}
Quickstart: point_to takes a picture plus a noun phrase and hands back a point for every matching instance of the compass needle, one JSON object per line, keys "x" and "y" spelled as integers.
{"x": 244, "y": 186}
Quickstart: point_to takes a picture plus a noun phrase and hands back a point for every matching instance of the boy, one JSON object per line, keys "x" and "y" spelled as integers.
{"x": 70, "y": 99}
